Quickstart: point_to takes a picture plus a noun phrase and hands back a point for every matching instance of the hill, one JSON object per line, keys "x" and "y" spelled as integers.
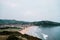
{"x": 37, "y": 23}
{"x": 12, "y": 22}
{"x": 46, "y": 23}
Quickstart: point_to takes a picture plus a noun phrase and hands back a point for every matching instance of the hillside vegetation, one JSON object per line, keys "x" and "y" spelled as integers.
{"x": 37, "y": 23}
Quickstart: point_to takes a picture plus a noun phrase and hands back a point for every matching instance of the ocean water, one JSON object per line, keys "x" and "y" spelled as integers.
{"x": 52, "y": 32}
{"x": 45, "y": 33}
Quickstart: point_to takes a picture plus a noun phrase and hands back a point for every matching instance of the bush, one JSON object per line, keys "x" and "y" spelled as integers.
{"x": 13, "y": 37}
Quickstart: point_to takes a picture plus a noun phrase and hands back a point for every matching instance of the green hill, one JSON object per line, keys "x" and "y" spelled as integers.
{"x": 12, "y": 22}
{"x": 37, "y": 23}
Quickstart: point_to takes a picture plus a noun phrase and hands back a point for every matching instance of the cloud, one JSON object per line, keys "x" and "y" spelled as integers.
{"x": 11, "y": 5}
{"x": 8, "y": 3}
{"x": 30, "y": 10}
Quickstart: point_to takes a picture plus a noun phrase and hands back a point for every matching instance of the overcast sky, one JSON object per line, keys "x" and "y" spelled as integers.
{"x": 30, "y": 10}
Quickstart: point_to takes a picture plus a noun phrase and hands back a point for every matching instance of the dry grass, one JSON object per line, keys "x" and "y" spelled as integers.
{"x": 3, "y": 37}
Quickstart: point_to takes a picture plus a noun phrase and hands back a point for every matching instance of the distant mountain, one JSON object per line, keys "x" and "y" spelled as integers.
{"x": 12, "y": 22}
{"x": 37, "y": 23}
{"x": 46, "y": 23}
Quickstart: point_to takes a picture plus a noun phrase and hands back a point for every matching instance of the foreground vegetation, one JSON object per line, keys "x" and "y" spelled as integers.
{"x": 14, "y": 35}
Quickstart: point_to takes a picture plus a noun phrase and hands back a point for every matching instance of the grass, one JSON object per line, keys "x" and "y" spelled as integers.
{"x": 9, "y": 30}
{"x": 11, "y": 33}
{"x": 3, "y": 37}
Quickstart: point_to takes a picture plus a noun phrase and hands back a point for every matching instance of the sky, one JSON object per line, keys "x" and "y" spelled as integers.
{"x": 30, "y": 10}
